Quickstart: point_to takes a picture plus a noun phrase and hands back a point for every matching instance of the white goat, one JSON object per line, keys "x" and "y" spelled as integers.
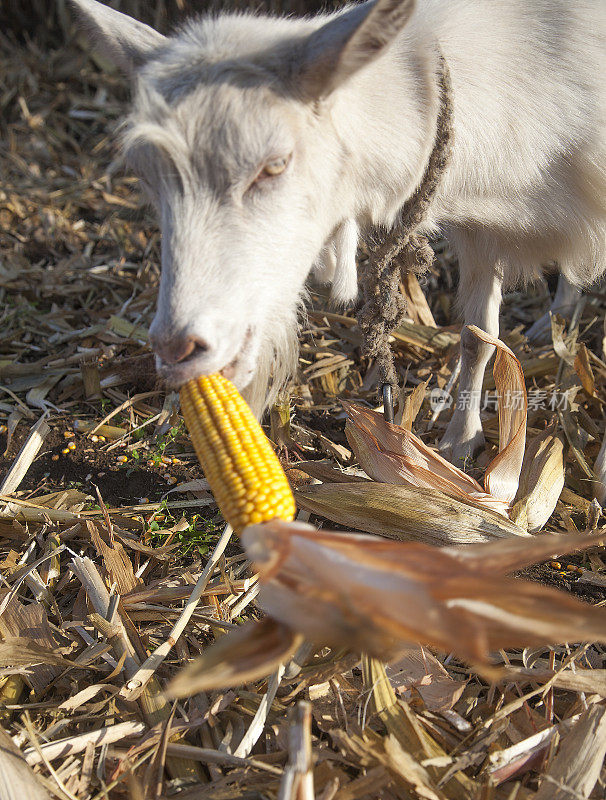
{"x": 267, "y": 143}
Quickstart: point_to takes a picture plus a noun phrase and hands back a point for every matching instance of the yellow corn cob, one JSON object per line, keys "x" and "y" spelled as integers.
{"x": 240, "y": 465}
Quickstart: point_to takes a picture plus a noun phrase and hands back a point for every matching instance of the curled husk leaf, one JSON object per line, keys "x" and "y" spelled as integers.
{"x": 391, "y": 454}
{"x": 247, "y": 654}
{"x": 541, "y": 481}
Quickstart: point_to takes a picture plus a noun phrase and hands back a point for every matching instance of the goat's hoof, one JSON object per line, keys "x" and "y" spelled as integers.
{"x": 458, "y": 448}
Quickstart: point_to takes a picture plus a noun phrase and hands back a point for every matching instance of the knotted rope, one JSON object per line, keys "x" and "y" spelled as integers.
{"x": 383, "y": 305}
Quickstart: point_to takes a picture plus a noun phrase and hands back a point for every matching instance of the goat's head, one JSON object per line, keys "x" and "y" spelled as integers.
{"x": 233, "y": 133}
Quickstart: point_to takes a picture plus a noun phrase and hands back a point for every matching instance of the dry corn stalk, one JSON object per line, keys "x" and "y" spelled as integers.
{"x": 391, "y": 454}
{"x": 405, "y": 727}
{"x": 152, "y": 701}
{"x": 240, "y": 465}
{"x": 17, "y": 779}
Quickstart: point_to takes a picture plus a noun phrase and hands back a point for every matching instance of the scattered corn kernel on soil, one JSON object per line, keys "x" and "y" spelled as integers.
{"x": 119, "y": 478}
{"x": 79, "y": 256}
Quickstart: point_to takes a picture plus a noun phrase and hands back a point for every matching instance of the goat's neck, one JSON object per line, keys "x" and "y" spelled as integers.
{"x": 385, "y": 121}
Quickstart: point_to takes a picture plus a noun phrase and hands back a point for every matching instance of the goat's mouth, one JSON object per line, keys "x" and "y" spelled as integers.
{"x": 239, "y": 369}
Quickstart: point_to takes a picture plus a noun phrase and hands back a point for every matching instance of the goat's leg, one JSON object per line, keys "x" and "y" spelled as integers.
{"x": 345, "y": 280}
{"x": 480, "y": 297}
{"x": 325, "y": 265}
{"x": 336, "y": 263}
{"x": 564, "y": 302}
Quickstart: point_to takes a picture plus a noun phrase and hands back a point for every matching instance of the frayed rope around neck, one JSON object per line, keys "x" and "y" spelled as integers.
{"x": 403, "y": 249}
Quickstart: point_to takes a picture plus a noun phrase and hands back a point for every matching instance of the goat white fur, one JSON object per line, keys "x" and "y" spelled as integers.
{"x": 350, "y": 101}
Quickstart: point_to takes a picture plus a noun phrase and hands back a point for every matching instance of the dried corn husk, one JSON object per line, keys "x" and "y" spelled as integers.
{"x": 541, "y": 481}
{"x": 405, "y": 513}
{"x": 17, "y": 778}
{"x": 576, "y": 768}
{"x": 503, "y": 473}
{"x": 376, "y": 596}
{"x": 251, "y": 652}
{"x": 392, "y": 454}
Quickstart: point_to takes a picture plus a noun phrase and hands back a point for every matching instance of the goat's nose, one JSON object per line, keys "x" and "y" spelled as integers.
{"x": 177, "y": 348}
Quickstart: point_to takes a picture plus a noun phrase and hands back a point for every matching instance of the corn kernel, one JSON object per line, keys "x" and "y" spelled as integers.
{"x": 68, "y": 434}
{"x": 71, "y": 446}
{"x": 555, "y": 565}
{"x": 65, "y": 451}
{"x": 122, "y": 459}
{"x": 238, "y": 460}
{"x": 55, "y": 457}
{"x": 101, "y": 438}
{"x": 3, "y": 429}
{"x": 94, "y": 438}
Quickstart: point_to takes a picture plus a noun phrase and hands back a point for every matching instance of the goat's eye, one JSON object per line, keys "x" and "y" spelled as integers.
{"x": 271, "y": 169}
{"x": 275, "y": 167}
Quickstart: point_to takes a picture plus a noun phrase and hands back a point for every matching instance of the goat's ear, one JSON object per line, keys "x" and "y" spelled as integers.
{"x": 119, "y": 37}
{"x": 347, "y": 43}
